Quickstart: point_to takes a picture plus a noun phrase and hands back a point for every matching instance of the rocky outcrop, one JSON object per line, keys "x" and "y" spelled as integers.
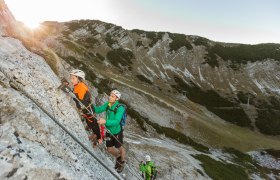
{"x": 32, "y": 146}
{"x": 7, "y": 20}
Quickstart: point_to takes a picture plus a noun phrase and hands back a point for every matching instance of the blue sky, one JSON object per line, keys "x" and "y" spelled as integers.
{"x": 241, "y": 21}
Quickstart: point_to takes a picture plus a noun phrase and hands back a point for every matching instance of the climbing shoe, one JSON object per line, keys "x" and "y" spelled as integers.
{"x": 121, "y": 166}
{"x": 118, "y": 161}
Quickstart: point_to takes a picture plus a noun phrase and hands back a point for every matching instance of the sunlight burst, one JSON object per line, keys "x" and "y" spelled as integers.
{"x": 32, "y": 24}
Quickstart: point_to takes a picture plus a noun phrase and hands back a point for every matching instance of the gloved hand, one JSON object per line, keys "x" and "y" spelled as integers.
{"x": 101, "y": 121}
{"x": 65, "y": 82}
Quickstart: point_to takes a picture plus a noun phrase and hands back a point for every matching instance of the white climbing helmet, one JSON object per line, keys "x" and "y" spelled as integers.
{"x": 78, "y": 73}
{"x": 147, "y": 158}
{"x": 117, "y": 93}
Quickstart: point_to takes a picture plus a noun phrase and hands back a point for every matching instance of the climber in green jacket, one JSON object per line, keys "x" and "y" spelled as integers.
{"x": 148, "y": 168}
{"x": 114, "y": 113}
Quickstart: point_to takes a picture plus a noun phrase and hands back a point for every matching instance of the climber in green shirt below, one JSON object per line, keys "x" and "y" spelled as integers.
{"x": 114, "y": 113}
{"x": 148, "y": 169}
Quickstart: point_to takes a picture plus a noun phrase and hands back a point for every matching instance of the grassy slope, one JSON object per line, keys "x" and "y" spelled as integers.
{"x": 216, "y": 132}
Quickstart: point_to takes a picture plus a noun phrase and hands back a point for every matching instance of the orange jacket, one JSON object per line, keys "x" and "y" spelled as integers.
{"x": 82, "y": 93}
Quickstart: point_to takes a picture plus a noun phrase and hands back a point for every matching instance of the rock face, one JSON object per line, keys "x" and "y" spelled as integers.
{"x": 32, "y": 146}
{"x": 7, "y": 20}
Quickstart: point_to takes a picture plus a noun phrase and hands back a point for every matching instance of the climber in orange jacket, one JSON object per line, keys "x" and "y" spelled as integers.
{"x": 82, "y": 93}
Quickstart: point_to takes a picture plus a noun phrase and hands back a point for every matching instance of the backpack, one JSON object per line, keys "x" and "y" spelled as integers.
{"x": 124, "y": 117}
{"x": 154, "y": 172}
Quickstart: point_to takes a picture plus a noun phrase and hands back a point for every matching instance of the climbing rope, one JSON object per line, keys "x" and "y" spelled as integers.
{"x": 14, "y": 84}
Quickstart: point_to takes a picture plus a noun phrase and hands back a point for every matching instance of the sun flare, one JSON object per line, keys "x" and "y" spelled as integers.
{"x": 32, "y": 24}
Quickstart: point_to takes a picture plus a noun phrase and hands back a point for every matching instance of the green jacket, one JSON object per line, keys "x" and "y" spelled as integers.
{"x": 112, "y": 120}
{"x": 147, "y": 169}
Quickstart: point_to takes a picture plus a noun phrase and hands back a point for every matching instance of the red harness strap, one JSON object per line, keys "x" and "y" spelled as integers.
{"x": 88, "y": 117}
